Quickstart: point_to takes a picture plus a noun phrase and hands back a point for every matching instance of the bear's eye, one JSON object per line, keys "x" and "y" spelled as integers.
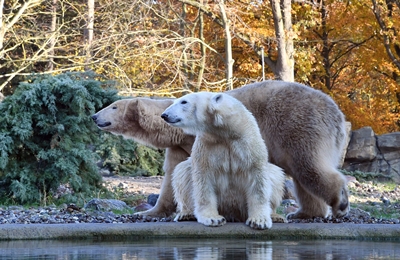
{"x": 114, "y": 107}
{"x": 183, "y": 102}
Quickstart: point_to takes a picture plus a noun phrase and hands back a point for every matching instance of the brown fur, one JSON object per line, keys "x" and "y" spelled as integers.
{"x": 303, "y": 129}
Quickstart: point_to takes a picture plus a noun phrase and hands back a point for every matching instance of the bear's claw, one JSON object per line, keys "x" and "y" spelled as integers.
{"x": 212, "y": 222}
{"x": 265, "y": 223}
{"x": 183, "y": 217}
{"x": 276, "y": 218}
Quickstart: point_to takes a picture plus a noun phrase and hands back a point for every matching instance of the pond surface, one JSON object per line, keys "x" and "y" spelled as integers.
{"x": 200, "y": 249}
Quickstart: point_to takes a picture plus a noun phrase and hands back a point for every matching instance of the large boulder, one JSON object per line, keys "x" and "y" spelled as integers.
{"x": 368, "y": 152}
{"x": 362, "y": 146}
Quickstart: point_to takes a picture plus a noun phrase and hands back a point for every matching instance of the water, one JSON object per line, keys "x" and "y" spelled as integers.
{"x": 200, "y": 249}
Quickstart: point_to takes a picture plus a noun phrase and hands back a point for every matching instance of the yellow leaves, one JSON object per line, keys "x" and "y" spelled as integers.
{"x": 250, "y": 69}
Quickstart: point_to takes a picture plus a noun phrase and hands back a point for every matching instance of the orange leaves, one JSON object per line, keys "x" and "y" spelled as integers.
{"x": 347, "y": 58}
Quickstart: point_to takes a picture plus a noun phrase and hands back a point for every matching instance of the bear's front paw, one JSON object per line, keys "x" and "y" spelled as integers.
{"x": 212, "y": 221}
{"x": 154, "y": 213}
{"x": 151, "y": 214}
{"x": 276, "y": 218}
{"x": 259, "y": 223}
{"x": 184, "y": 216}
{"x": 299, "y": 214}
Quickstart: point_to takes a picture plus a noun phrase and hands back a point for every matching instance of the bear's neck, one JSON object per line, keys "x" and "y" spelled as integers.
{"x": 227, "y": 132}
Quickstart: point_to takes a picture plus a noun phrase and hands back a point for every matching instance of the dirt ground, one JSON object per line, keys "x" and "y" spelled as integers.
{"x": 359, "y": 191}
{"x": 134, "y": 185}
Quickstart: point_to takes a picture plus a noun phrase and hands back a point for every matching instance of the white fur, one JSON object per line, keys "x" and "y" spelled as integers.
{"x": 228, "y": 176}
{"x": 303, "y": 129}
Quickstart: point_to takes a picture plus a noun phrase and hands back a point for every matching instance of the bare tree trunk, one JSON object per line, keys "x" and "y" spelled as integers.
{"x": 2, "y": 28}
{"x": 52, "y": 40}
{"x": 202, "y": 50}
{"x": 89, "y": 33}
{"x": 185, "y": 64}
{"x": 283, "y": 67}
{"x": 387, "y": 40}
{"x": 326, "y": 49}
{"x": 228, "y": 46}
{"x": 282, "y": 16}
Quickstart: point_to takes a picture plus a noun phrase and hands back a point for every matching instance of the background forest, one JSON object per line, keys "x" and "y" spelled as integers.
{"x": 348, "y": 49}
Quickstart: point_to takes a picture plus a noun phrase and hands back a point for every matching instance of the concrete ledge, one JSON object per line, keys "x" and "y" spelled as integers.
{"x": 196, "y": 230}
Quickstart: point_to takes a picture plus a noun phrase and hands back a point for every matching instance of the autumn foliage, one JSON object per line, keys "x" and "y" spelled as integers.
{"x": 348, "y": 49}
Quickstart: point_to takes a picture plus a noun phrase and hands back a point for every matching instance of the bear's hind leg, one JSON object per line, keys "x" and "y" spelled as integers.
{"x": 339, "y": 201}
{"x": 331, "y": 186}
{"x": 310, "y": 205}
{"x": 183, "y": 187}
{"x": 278, "y": 185}
{"x": 165, "y": 205}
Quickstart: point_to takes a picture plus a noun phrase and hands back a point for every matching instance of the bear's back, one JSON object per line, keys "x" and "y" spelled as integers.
{"x": 292, "y": 118}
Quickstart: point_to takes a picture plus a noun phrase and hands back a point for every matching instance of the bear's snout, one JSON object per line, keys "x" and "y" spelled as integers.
{"x": 100, "y": 123}
{"x": 164, "y": 116}
{"x": 170, "y": 119}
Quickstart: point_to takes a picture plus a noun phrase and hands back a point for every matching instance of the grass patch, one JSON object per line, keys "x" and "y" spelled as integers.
{"x": 369, "y": 193}
{"x": 379, "y": 211}
{"x": 365, "y": 176}
{"x": 123, "y": 212}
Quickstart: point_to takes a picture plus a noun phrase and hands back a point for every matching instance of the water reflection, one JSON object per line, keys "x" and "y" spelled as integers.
{"x": 206, "y": 249}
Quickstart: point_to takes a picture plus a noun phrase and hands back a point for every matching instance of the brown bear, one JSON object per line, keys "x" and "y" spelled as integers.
{"x": 228, "y": 176}
{"x": 303, "y": 129}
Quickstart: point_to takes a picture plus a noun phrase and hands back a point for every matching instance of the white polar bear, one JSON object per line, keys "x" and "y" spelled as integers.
{"x": 228, "y": 176}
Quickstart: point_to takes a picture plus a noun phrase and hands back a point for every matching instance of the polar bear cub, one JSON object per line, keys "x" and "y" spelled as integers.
{"x": 228, "y": 176}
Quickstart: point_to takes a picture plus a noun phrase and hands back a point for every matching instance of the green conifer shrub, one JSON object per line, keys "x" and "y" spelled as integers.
{"x": 47, "y": 137}
{"x": 126, "y": 157}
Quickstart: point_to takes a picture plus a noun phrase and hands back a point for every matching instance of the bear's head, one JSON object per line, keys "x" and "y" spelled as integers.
{"x": 139, "y": 119}
{"x": 111, "y": 118}
{"x": 203, "y": 112}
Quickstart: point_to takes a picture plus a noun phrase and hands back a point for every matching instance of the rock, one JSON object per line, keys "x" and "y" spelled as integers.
{"x": 152, "y": 199}
{"x": 389, "y": 145}
{"x": 122, "y": 185}
{"x": 351, "y": 181}
{"x": 344, "y": 152}
{"x": 290, "y": 209}
{"x": 289, "y": 192}
{"x": 359, "y": 213}
{"x": 368, "y": 152}
{"x": 385, "y": 201}
{"x": 143, "y": 207}
{"x": 289, "y": 202}
{"x": 362, "y": 146}
{"x": 106, "y": 205}
{"x": 105, "y": 172}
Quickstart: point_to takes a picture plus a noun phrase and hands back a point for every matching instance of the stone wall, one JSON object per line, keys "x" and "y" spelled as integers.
{"x": 368, "y": 152}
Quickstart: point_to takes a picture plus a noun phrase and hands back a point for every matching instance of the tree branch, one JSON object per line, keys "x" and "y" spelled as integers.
{"x": 386, "y": 38}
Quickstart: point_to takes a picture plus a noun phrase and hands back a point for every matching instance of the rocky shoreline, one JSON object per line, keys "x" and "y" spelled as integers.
{"x": 68, "y": 215}
{"x": 103, "y": 210}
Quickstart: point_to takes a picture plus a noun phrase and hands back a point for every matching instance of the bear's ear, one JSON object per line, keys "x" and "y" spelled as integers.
{"x": 215, "y": 101}
{"x": 217, "y": 98}
{"x": 131, "y": 109}
{"x": 149, "y": 114}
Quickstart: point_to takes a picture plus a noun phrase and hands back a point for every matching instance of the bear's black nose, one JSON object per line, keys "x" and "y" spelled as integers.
{"x": 94, "y": 117}
{"x": 164, "y": 116}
